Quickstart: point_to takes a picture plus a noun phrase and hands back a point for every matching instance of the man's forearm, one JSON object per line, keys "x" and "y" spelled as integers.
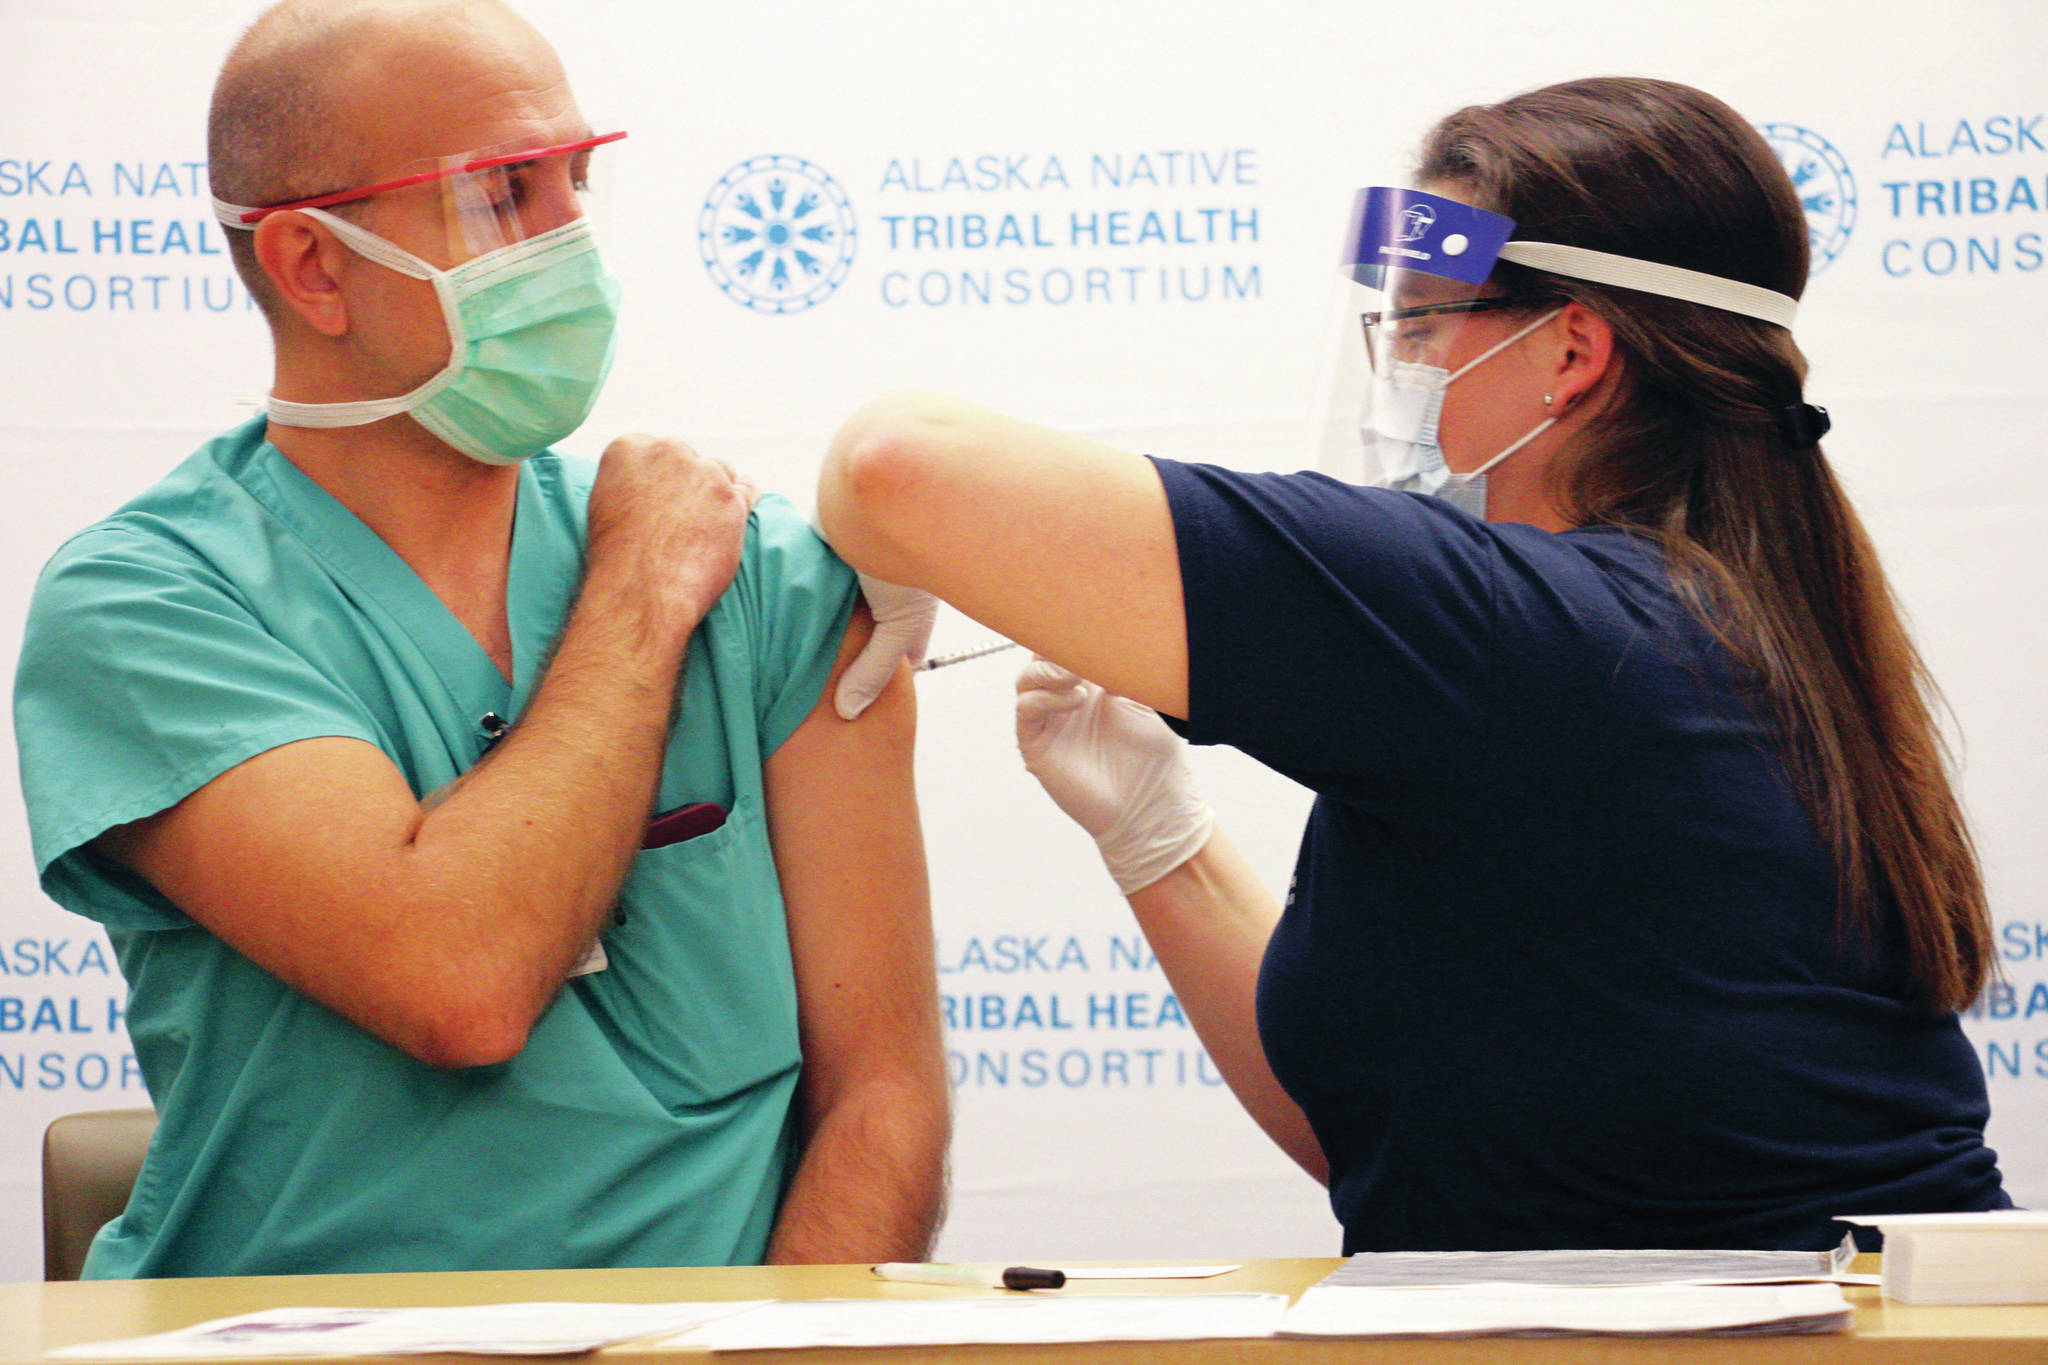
{"x": 442, "y": 926}
{"x": 529, "y": 849}
{"x": 872, "y": 1182}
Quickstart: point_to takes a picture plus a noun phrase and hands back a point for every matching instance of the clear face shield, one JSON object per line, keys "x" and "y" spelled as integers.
{"x": 1415, "y": 269}
{"x": 500, "y": 196}
{"x": 481, "y": 200}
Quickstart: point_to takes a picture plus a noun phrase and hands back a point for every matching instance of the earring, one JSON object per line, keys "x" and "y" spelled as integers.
{"x": 1546, "y": 400}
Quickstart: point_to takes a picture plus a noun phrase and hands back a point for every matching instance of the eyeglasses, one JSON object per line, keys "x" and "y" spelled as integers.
{"x": 1411, "y": 332}
{"x": 443, "y": 169}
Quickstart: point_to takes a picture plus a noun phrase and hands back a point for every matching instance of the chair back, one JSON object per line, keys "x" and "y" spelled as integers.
{"x": 90, "y": 1162}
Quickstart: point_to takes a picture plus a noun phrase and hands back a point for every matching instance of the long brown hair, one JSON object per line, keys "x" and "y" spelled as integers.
{"x": 1696, "y": 451}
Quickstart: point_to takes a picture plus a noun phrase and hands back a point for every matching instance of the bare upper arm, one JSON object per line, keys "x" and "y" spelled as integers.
{"x": 1062, "y": 543}
{"x": 842, "y": 811}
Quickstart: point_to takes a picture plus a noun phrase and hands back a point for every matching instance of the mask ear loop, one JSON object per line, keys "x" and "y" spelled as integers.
{"x": 390, "y": 255}
{"x": 1492, "y": 351}
{"x": 1543, "y": 426}
{"x": 1535, "y": 431}
{"x": 371, "y": 247}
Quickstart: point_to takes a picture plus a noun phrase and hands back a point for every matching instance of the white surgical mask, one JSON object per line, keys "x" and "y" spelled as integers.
{"x": 1401, "y": 427}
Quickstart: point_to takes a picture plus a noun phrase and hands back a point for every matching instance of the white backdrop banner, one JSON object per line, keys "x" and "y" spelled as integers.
{"x": 1114, "y": 218}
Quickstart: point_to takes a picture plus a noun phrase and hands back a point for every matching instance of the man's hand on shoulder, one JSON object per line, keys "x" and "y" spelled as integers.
{"x": 666, "y": 523}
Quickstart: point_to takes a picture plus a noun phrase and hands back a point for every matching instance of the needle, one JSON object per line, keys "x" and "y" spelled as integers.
{"x": 961, "y": 656}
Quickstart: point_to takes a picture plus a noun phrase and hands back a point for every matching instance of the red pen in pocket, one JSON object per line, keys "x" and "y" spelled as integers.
{"x": 673, "y": 827}
{"x": 684, "y": 822}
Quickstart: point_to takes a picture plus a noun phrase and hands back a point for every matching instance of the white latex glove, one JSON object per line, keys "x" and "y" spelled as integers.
{"x": 1115, "y": 769}
{"x": 903, "y": 629}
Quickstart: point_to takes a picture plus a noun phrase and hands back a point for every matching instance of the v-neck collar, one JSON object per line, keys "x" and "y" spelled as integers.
{"x": 545, "y": 573}
{"x": 377, "y": 573}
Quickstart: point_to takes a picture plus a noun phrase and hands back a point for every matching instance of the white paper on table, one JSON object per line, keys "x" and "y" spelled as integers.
{"x": 473, "y": 1329}
{"x": 1012, "y": 1319}
{"x": 1148, "y": 1272}
{"x": 1585, "y": 1268}
{"x": 1477, "y": 1310}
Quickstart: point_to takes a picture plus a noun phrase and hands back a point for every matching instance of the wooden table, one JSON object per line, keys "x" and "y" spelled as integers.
{"x": 37, "y": 1317}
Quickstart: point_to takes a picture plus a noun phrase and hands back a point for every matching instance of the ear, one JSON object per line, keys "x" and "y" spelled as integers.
{"x": 1583, "y": 356}
{"x": 305, "y": 263}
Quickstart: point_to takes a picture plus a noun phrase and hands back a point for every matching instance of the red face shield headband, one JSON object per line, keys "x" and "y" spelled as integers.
{"x": 447, "y": 168}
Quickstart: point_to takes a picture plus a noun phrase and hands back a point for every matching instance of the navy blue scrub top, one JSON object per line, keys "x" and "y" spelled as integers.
{"x": 1558, "y": 967}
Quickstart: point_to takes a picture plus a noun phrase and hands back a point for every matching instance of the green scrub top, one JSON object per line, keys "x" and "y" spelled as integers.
{"x": 649, "y": 1120}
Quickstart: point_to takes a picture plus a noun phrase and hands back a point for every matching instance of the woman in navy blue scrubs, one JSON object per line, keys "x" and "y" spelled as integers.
{"x": 1636, "y": 904}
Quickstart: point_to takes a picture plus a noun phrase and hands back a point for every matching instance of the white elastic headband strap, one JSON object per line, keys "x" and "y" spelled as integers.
{"x": 365, "y": 244}
{"x": 1670, "y": 281}
{"x": 371, "y": 247}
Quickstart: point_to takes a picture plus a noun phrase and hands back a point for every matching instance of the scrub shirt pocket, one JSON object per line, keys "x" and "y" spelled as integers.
{"x": 700, "y": 996}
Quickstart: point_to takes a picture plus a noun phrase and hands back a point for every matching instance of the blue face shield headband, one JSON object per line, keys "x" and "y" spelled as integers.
{"x": 1396, "y": 230}
{"x": 1415, "y": 267}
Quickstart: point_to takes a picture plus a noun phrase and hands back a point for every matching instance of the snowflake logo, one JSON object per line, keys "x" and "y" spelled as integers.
{"x": 1827, "y": 191}
{"x": 777, "y": 234}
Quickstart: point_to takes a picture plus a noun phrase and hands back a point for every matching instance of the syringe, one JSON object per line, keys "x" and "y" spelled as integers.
{"x": 961, "y": 656}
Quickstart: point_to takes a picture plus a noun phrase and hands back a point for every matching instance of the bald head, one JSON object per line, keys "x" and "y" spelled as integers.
{"x": 320, "y": 95}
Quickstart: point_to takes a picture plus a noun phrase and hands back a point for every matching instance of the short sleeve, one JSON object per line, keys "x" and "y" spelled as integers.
{"x": 143, "y": 676}
{"x": 1341, "y": 635}
{"x": 795, "y": 597}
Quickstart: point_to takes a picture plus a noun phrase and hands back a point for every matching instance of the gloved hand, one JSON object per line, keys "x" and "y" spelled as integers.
{"x": 903, "y": 629}
{"x": 1115, "y": 769}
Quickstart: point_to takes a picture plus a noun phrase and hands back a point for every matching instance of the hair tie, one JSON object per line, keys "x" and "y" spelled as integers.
{"x": 1803, "y": 425}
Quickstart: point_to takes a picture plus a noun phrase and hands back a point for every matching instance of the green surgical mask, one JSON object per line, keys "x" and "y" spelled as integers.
{"x": 531, "y": 329}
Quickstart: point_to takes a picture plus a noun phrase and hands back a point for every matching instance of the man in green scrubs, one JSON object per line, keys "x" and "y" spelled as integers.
{"x": 391, "y": 747}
